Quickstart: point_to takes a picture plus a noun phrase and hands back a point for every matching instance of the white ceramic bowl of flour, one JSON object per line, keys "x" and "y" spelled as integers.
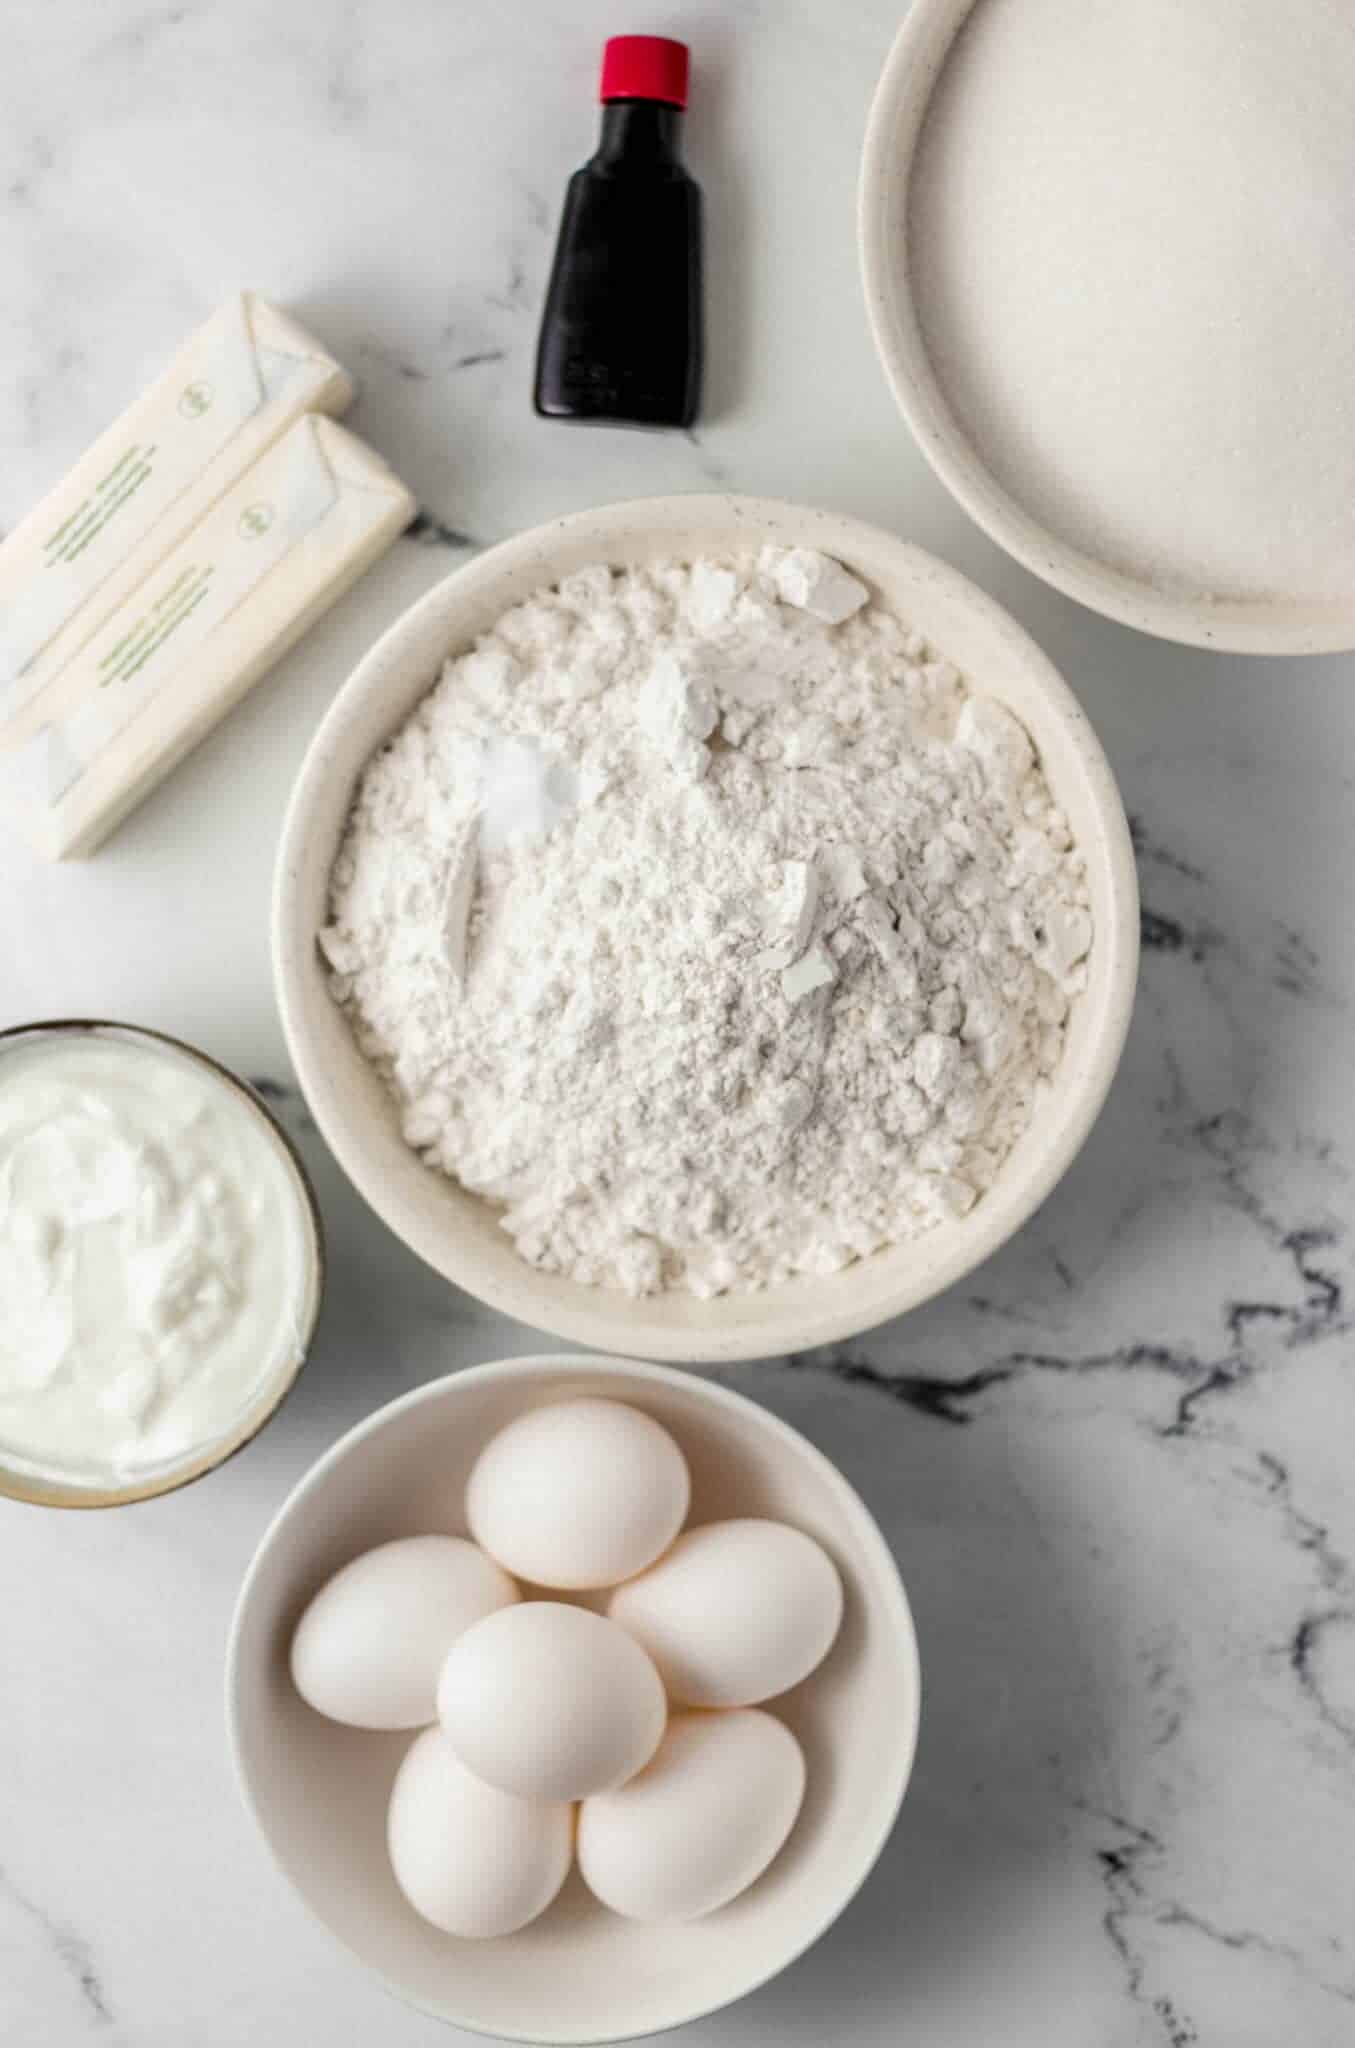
{"x": 459, "y": 1234}
{"x": 1105, "y": 250}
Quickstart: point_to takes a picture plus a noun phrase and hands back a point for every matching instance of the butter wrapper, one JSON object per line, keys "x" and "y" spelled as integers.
{"x": 270, "y": 556}
{"x": 234, "y": 387}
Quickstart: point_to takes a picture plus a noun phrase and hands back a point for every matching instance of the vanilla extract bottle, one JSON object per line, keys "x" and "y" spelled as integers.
{"x": 621, "y": 333}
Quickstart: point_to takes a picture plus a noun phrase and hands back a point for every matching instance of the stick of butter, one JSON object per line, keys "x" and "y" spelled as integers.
{"x": 237, "y": 384}
{"x": 222, "y": 607}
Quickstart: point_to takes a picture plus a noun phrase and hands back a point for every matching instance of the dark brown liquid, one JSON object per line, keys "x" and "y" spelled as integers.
{"x": 621, "y": 333}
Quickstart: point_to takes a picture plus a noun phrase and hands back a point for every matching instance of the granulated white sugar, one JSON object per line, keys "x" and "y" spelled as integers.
{"x": 711, "y": 924}
{"x": 1132, "y": 238}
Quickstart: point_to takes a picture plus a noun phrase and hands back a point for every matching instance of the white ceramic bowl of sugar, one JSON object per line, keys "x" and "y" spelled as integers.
{"x": 961, "y": 198}
{"x": 457, "y": 1233}
{"x": 319, "y": 1791}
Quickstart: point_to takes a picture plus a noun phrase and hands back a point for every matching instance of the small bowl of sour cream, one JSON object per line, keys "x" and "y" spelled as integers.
{"x": 161, "y": 1264}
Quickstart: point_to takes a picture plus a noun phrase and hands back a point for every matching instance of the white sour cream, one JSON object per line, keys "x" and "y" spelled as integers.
{"x": 158, "y": 1258}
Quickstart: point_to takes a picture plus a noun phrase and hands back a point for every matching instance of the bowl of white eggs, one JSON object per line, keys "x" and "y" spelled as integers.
{"x": 574, "y": 1696}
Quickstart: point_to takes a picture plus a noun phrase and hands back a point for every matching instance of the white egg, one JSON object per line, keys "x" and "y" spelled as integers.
{"x": 735, "y": 1613}
{"x": 468, "y": 1858}
{"x": 369, "y": 1647}
{"x": 580, "y": 1494}
{"x": 550, "y": 1702}
{"x": 699, "y": 1823}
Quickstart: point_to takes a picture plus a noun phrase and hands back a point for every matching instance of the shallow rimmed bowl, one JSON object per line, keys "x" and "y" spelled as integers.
{"x": 39, "y": 1491}
{"x": 897, "y": 115}
{"x": 579, "y": 1974}
{"x": 459, "y": 1234}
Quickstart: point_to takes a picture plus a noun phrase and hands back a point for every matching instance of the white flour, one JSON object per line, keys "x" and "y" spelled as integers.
{"x": 713, "y": 939}
{"x": 1131, "y": 231}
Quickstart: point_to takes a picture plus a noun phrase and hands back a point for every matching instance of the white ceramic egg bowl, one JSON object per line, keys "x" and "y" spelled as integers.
{"x": 319, "y": 1791}
{"x": 459, "y": 1234}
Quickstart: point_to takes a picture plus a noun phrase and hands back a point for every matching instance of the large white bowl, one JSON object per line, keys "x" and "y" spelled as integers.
{"x": 458, "y": 1233}
{"x": 319, "y": 1791}
{"x": 897, "y": 116}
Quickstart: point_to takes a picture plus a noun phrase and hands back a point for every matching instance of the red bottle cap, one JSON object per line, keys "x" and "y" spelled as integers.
{"x": 644, "y": 68}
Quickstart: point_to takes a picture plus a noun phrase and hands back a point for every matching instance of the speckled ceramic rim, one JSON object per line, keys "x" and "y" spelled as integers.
{"x": 896, "y": 119}
{"x": 47, "y": 1493}
{"x": 895, "y": 1769}
{"x": 457, "y": 1234}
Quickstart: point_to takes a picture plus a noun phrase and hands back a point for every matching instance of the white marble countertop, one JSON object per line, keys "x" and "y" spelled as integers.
{"x": 1115, "y": 1466}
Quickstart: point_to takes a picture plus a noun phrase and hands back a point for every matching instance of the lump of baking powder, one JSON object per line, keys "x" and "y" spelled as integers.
{"x": 525, "y": 789}
{"x": 814, "y": 582}
{"x": 678, "y": 712}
